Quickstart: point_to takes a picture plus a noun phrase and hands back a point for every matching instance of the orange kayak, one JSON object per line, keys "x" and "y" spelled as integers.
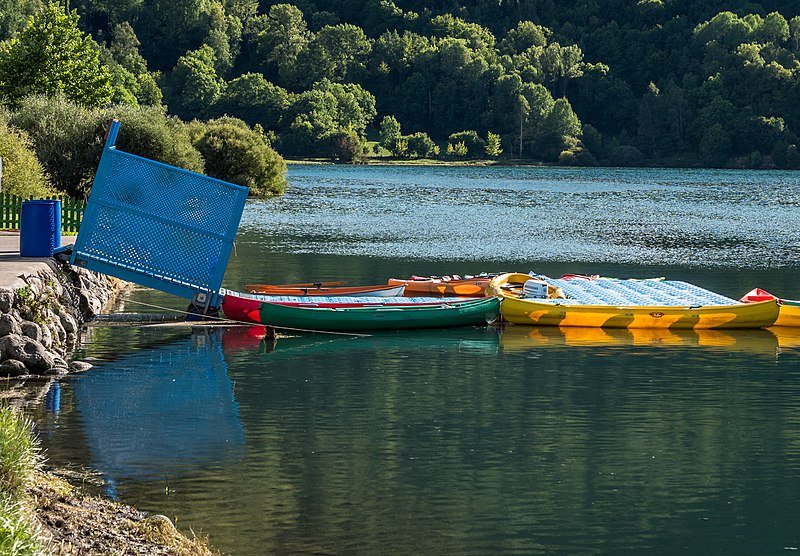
{"x": 469, "y": 287}
{"x": 334, "y": 291}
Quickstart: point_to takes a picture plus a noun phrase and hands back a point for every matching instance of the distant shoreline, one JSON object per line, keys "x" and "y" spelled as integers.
{"x": 416, "y": 162}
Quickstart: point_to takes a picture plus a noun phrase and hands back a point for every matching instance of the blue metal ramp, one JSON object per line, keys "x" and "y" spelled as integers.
{"x": 159, "y": 226}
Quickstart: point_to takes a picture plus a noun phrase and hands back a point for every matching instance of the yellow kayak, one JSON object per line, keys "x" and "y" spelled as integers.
{"x": 555, "y": 308}
{"x": 789, "y": 310}
{"x": 789, "y": 316}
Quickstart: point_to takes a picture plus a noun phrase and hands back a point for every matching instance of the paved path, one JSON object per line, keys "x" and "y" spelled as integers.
{"x": 12, "y": 266}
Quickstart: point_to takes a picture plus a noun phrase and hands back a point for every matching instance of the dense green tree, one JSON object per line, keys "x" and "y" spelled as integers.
{"x": 234, "y": 152}
{"x": 654, "y": 74}
{"x": 52, "y": 56}
{"x": 255, "y": 100}
{"x": 390, "y": 132}
{"x": 327, "y": 108}
{"x": 338, "y": 52}
{"x": 195, "y": 86}
{"x": 279, "y": 38}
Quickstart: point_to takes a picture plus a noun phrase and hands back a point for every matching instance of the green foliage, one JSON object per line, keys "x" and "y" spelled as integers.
{"x": 235, "y": 153}
{"x": 400, "y": 147}
{"x": 421, "y": 146}
{"x": 19, "y": 453}
{"x": 715, "y": 145}
{"x": 345, "y": 145}
{"x": 627, "y": 155}
{"x": 68, "y": 139}
{"x": 652, "y": 74}
{"x": 255, "y": 100}
{"x": 151, "y": 133}
{"x": 493, "y": 145}
{"x": 52, "y": 56}
{"x": 22, "y": 173}
{"x": 327, "y": 108}
{"x": 576, "y": 157}
{"x": 390, "y": 132}
{"x": 457, "y": 149}
{"x": 476, "y": 147}
{"x": 14, "y": 15}
{"x": 17, "y": 534}
{"x": 195, "y": 85}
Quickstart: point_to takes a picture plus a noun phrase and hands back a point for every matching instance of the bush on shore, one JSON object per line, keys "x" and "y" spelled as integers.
{"x": 23, "y": 174}
{"x": 236, "y": 153}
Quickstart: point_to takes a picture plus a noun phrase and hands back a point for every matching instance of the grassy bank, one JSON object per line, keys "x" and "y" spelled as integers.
{"x": 41, "y": 513}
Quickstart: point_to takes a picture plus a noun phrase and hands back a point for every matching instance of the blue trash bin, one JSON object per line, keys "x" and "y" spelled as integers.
{"x": 40, "y": 228}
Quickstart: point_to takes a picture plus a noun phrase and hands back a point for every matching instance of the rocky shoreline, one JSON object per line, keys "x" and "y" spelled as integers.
{"x": 40, "y": 321}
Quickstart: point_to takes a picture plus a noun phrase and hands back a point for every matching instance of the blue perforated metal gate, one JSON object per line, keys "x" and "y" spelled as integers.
{"x": 157, "y": 225}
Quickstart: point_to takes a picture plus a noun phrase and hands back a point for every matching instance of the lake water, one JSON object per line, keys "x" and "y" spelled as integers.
{"x": 475, "y": 440}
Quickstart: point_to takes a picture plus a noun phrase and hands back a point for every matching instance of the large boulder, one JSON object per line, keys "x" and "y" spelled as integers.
{"x": 6, "y": 300}
{"x": 12, "y": 367}
{"x": 9, "y": 326}
{"x": 31, "y": 330}
{"x": 30, "y": 352}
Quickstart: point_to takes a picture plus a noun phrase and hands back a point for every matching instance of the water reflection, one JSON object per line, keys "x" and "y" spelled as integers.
{"x": 165, "y": 411}
{"x": 522, "y": 338}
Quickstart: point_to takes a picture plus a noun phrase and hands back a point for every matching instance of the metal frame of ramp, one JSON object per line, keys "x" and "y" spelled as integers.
{"x": 159, "y": 226}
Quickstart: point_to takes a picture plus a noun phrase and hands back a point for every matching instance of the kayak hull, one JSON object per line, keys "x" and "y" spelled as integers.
{"x": 354, "y": 291}
{"x": 789, "y": 315}
{"x": 474, "y": 287}
{"x": 355, "y": 315}
{"x": 711, "y": 317}
{"x": 789, "y": 310}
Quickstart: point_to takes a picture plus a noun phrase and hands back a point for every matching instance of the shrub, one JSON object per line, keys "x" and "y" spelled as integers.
{"x": 476, "y": 147}
{"x": 149, "y": 132}
{"x": 579, "y": 157}
{"x": 422, "y": 146}
{"x": 457, "y": 149}
{"x": 235, "y": 153}
{"x": 345, "y": 145}
{"x": 22, "y": 172}
{"x": 66, "y": 137}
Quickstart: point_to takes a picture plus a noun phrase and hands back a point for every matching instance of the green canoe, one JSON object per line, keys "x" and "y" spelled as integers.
{"x": 392, "y": 317}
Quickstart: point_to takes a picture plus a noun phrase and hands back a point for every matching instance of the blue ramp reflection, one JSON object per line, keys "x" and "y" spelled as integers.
{"x": 163, "y": 412}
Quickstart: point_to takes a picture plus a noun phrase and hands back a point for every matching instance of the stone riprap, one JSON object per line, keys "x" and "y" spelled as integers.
{"x": 43, "y": 304}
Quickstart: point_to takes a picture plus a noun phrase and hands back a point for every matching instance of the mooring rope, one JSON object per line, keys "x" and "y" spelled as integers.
{"x": 222, "y": 319}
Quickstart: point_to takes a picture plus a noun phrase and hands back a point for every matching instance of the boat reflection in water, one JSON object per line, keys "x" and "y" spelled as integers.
{"x": 764, "y": 342}
{"x": 161, "y": 412}
{"x": 483, "y": 339}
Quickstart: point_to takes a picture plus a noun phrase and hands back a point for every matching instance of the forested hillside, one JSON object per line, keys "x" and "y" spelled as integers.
{"x": 624, "y": 82}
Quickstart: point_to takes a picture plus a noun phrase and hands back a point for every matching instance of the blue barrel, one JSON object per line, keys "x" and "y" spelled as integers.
{"x": 40, "y": 228}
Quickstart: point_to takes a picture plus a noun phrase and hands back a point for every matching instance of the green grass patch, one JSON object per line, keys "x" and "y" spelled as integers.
{"x": 19, "y": 459}
{"x": 19, "y": 453}
{"x": 17, "y": 535}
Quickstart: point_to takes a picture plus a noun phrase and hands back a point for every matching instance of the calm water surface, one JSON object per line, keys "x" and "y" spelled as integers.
{"x": 472, "y": 440}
